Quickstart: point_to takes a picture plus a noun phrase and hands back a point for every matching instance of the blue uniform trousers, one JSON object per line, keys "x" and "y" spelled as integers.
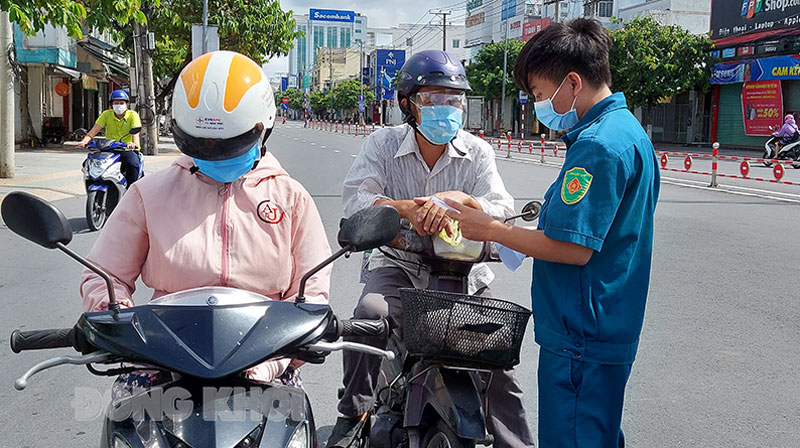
{"x": 580, "y": 403}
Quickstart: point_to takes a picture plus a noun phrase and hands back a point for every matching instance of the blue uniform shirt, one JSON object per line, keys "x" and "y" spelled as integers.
{"x": 604, "y": 198}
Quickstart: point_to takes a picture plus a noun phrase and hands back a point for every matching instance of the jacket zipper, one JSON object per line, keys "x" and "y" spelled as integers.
{"x": 225, "y": 276}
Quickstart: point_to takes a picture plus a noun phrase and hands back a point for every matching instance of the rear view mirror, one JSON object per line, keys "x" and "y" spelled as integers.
{"x": 370, "y": 228}
{"x": 531, "y": 211}
{"x": 135, "y": 131}
{"x": 35, "y": 219}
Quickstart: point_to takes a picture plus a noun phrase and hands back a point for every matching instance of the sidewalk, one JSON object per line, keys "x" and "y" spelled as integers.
{"x": 54, "y": 172}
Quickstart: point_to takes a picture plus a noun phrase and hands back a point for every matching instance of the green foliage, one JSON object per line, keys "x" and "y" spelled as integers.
{"x": 296, "y": 100}
{"x": 259, "y": 29}
{"x": 485, "y": 74}
{"x": 106, "y": 15}
{"x": 320, "y": 101}
{"x": 345, "y": 95}
{"x": 650, "y": 62}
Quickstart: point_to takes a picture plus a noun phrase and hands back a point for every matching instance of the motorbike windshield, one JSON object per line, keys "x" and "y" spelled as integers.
{"x": 218, "y": 295}
{"x": 207, "y": 332}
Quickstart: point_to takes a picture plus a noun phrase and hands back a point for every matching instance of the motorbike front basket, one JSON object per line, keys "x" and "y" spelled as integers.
{"x": 462, "y": 329}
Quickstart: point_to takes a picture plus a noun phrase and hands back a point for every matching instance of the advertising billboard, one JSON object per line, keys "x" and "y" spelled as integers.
{"x": 387, "y": 62}
{"x": 753, "y": 16}
{"x": 531, "y": 28}
{"x": 762, "y": 106}
{"x": 332, "y": 15}
{"x": 509, "y": 9}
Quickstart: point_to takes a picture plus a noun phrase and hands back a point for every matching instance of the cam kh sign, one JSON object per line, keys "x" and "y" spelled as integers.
{"x": 332, "y": 15}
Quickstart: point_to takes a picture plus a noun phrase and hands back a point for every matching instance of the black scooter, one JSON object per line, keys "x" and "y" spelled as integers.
{"x": 433, "y": 393}
{"x": 195, "y": 345}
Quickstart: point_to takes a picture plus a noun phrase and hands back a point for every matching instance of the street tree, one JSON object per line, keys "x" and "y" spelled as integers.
{"x": 259, "y": 29}
{"x": 32, "y": 15}
{"x": 651, "y": 62}
{"x": 345, "y": 95}
{"x": 485, "y": 74}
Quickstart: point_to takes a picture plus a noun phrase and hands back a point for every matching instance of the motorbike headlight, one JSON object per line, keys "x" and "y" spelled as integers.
{"x": 299, "y": 438}
{"x": 96, "y": 170}
{"x": 119, "y": 443}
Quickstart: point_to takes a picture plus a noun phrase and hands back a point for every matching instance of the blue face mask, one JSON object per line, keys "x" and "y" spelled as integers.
{"x": 550, "y": 118}
{"x": 229, "y": 170}
{"x": 440, "y": 124}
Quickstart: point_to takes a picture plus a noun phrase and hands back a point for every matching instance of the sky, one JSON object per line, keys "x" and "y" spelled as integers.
{"x": 379, "y": 13}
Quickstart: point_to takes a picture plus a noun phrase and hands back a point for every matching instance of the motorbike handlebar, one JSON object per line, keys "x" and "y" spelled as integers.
{"x": 364, "y": 327}
{"x": 43, "y": 339}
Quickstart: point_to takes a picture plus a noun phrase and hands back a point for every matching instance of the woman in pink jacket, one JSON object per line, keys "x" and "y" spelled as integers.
{"x": 225, "y": 213}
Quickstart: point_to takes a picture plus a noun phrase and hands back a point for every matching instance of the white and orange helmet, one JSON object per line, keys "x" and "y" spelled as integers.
{"x": 222, "y": 106}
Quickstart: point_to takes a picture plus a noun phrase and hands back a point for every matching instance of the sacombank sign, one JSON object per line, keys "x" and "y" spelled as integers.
{"x": 332, "y": 15}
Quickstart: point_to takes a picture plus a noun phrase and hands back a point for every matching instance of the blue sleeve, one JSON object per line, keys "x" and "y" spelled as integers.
{"x": 588, "y": 194}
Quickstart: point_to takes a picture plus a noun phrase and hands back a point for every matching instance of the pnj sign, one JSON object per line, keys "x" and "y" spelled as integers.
{"x": 390, "y": 58}
{"x": 332, "y": 15}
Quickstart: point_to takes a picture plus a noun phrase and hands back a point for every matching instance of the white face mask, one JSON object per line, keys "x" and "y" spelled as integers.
{"x": 119, "y": 109}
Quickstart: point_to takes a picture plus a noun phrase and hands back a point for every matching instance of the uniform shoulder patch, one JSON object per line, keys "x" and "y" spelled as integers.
{"x": 576, "y": 184}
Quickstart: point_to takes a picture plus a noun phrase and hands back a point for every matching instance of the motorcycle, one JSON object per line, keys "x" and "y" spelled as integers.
{"x": 195, "y": 345}
{"x": 790, "y": 151}
{"x": 433, "y": 393}
{"x": 105, "y": 183}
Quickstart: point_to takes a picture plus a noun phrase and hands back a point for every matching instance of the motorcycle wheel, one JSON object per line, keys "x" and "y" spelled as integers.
{"x": 96, "y": 209}
{"x": 441, "y": 436}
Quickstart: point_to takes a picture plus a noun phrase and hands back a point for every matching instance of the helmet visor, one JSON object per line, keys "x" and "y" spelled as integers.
{"x": 434, "y": 98}
{"x": 213, "y": 149}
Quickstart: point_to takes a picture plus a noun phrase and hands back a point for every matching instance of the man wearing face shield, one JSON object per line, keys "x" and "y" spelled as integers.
{"x": 118, "y": 121}
{"x": 405, "y": 167}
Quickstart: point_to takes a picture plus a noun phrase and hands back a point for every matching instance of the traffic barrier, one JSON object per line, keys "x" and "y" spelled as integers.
{"x": 778, "y": 170}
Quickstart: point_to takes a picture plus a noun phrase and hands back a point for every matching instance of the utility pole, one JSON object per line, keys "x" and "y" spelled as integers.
{"x": 361, "y": 80}
{"x": 444, "y": 15}
{"x": 505, "y": 75}
{"x": 145, "y": 96}
{"x": 330, "y": 72}
{"x": 205, "y": 26}
{"x": 6, "y": 101}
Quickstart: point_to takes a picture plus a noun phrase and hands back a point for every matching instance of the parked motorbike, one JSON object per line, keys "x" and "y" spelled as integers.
{"x": 433, "y": 393}
{"x": 105, "y": 183}
{"x": 195, "y": 346}
{"x": 791, "y": 151}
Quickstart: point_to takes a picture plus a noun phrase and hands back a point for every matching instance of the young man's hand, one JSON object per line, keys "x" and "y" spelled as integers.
{"x": 429, "y": 218}
{"x": 474, "y": 224}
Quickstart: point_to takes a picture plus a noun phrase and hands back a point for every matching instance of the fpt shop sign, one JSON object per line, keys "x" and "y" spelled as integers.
{"x": 332, "y": 15}
{"x": 752, "y": 16}
{"x": 762, "y": 105}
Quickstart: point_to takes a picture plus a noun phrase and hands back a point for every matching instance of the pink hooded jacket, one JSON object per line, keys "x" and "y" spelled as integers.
{"x": 180, "y": 230}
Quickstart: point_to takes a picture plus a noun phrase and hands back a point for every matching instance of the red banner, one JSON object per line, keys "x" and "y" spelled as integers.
{"x": 533, "y": 27}
{"x": 762, "y": 105}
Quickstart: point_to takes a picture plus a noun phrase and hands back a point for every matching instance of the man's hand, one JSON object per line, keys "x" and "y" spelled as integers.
{"x": 474, "y": 224}
{"x": 430, "y": 219}
{"x": 83, "y": 143}
{"x": 132, "y": 145}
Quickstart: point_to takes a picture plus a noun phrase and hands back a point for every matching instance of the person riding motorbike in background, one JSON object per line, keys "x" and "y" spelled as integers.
{"x": 787, "y": 133}
{"x": 225, "y": 213}
{"x": 118, "y": 121}
{"x": 405, "y": 166}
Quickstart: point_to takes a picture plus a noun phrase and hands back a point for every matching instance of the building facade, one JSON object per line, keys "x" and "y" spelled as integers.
{"x": 323, "y": 28}
{"x": 757, "y": 81}
{"x": 692, "y": 15}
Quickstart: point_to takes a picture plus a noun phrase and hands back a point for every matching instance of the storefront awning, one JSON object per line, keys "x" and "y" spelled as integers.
{"x": 74, "y": 74}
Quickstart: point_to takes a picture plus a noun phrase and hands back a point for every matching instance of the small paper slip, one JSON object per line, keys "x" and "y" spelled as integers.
{"x": 510, "y": 258}
{"x": 442, "y": 204}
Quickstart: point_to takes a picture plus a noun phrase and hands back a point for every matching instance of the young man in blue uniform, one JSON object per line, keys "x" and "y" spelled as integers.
{"x": 593, "y": 247}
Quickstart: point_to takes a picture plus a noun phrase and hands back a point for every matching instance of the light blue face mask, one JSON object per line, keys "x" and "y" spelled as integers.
{"x": 550, "y": 118}
{"x": 440, "y": 124}
{"x": 229, "y": 170}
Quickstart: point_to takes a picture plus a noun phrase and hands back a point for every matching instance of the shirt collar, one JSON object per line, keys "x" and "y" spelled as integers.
{"x": 456, "y": 149}
{"x": 612, "y": 102}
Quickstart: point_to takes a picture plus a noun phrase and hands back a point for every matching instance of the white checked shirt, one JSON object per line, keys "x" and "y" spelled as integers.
{"x": 390, "y": 167}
